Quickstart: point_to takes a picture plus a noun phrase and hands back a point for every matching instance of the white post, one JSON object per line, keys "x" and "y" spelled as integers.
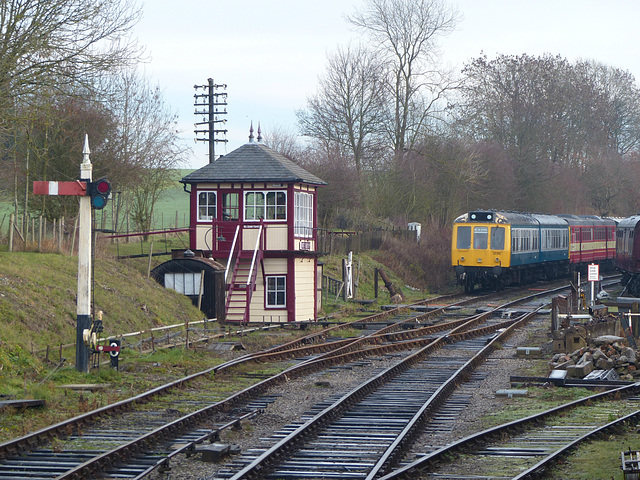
{"x": 349, "y": 279}
{"x": 84, "y": 264}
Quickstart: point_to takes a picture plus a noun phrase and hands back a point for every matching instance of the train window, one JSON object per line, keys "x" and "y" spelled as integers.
{"x": 497, "y": 238}
{"x": 464, "y": 237}
{"x": 480, "y": 237}
{"x": 515, "y": 240}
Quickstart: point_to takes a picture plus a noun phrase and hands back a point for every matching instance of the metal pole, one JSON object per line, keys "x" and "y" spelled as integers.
{"x": 212, "y": 142}
{"x": 84, "y": 265}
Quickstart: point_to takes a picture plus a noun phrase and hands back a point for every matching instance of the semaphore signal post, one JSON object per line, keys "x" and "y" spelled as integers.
{"x": 93, "y": 195}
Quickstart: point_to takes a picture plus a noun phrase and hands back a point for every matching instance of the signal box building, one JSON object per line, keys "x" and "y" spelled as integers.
{"x": 255, "y": 211}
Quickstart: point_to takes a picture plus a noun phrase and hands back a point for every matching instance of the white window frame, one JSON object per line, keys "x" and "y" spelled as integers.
{"x": 276, "y": 212}
{"x": 303, "y": 214}
{"x": 276, "y": 290}
{"x": 186, "y": 283}
{"x": 207, "y": 218}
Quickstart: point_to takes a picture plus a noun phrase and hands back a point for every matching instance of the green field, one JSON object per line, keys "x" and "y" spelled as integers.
{"x": 173, "y": 206}
{"x": 174, "y": 200}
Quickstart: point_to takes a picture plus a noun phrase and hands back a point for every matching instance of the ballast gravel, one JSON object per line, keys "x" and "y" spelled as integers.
{"x": 298, "y": 396}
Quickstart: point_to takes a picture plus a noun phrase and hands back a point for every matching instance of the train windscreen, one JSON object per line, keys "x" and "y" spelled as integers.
{"x": 480, "y": 238}
{"x": 497, "y": 238}
{"x": 464, "y": 238}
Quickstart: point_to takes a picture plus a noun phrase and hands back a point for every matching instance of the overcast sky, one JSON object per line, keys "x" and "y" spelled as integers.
{"x": 271, "y": 53}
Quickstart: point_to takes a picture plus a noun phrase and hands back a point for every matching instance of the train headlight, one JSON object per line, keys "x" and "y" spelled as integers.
{"x": 462, "y": 259}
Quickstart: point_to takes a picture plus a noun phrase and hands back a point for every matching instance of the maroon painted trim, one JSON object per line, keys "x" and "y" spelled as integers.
{"x": 193, "y": 216}
{"x": 315, "y": 289}
{"x": 290, "y": 216}
{"x": 291, "y": 291}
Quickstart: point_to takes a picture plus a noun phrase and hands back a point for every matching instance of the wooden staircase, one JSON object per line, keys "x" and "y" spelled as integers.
{"x": 243, "y": 279}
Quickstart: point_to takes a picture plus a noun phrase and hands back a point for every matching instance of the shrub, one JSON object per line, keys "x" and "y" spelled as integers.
{"x": 428, "y": 262}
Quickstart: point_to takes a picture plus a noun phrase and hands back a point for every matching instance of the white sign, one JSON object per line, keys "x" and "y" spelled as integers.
{"x": 594, "y": 273}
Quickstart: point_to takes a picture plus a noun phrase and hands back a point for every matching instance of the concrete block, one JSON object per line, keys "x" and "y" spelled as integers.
{"x": 213, "y": 452}
{"x": 583, "y": 369}
{"x": 511, "y": 393}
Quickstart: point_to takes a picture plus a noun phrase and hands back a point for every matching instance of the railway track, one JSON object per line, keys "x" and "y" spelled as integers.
{"x": 363, "y": 433}
{"x": 527, "y": 448}
{"x": 140, "y": 449}
{"x": 85, "y": 462}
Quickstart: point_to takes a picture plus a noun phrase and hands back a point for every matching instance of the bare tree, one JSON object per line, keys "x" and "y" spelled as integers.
{"x": 622, "y": 96}
{"x": 147, "y": 149}
{"x": 348, "y": 110}
{"x": 284, "y": 142}
{"x": 53, "y": 43}
{"x": 406, "y": 34}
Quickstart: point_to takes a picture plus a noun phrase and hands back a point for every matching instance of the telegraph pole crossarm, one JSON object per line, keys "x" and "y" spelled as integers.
{"x": 210, "y": 101}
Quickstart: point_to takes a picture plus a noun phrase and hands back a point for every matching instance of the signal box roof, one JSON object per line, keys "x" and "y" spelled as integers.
{"x": 252, "y": 162}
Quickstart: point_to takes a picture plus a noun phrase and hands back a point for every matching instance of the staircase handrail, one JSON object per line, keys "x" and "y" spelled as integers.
{"x": 255, "y": 254}
{"x": 233, "y": 247}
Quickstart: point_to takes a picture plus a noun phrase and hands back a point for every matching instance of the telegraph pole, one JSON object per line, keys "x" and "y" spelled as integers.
{"x": 207, "y": 104}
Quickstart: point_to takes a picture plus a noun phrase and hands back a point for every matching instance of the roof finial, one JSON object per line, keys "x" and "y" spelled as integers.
{"x": 259, "y": 134}
{"x": 251, "y": 133}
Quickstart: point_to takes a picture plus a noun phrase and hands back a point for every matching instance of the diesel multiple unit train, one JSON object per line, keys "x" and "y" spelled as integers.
{"x": 494, "y": 248}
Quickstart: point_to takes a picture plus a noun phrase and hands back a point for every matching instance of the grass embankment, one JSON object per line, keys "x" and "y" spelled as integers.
{"x": 38, "y": 310}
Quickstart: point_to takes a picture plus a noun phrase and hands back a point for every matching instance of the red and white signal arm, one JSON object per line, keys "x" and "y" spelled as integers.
{"x": 593, "y": 273}
{"x": 113, "y": 349}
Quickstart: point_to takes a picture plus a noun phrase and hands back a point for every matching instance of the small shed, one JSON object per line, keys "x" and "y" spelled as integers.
{"x": 199, "y": 278}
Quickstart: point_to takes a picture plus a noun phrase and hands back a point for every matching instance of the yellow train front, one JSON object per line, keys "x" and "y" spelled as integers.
{"x": 491, "y": 248}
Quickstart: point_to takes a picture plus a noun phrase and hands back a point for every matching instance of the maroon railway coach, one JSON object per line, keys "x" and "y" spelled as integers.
{"x": 628, "y": 253}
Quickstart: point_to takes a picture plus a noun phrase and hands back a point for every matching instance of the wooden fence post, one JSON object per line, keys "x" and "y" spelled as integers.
{"x": 11, "y": 220}
{"x": 60, "y": 231}
{"x": 40, "y": 234}
{"x": 150, "y": 257}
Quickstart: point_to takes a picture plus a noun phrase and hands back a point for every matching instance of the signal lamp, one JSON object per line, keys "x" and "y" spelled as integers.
{"x": 99, "y": 192}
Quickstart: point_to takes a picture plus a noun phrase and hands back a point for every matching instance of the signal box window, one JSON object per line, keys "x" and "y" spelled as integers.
{"x": 265, "y": 205}
{"x": 206, "y": 206}
{"x": 230, "y": 206}
{"x": 464, "y": 238}
{"x": 497, "y": 238}
{"x": 276, "y": 206}
{"x": 303, "y": 212}
{"x": 276, "y": 291}
{"x": 480, "y": 238}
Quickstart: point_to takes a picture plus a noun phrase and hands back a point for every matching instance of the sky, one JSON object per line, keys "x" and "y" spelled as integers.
{"x": 270, "y": 54}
